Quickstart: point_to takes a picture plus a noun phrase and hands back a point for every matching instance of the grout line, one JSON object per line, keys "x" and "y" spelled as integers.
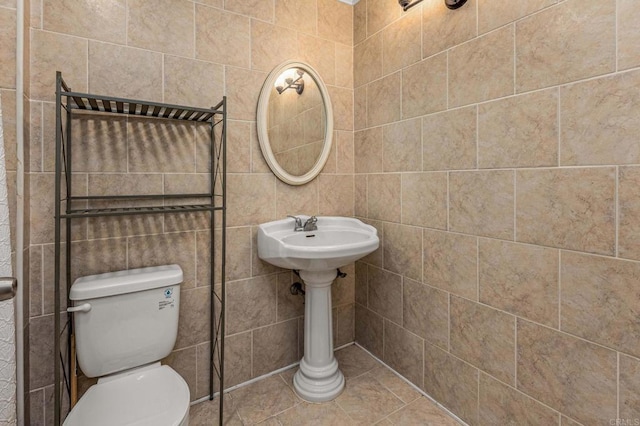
{"x": 264, "y": 376}
{"x": 42, "y": 281}
{"x": 366, "y": 20}
{"x": 618, "y": 385}
{"x": 529, "y": 320}
{"x": 478, "y": 269}
{"x": 422, "y": 31}
{"x": 367, "y": 285}
{"x": 250, "y": 50}
{"x": 524, "y": 92}
{"x": 421, "y": 145}
{"x": 162, "y": 183}
{"x": 508, "y": 169}
{"x": 458, "y": 233}
{"x": 195, "y": 33}
{"x": 559, "y": 289}
{"x": 519, "y": 392}
{"x": 88, "y": 65}
{"x": 86, "y": 203}
{"x": 251, "y": 251}
{"x": 274, "y": 206}
{"x": 421, "y": 256}
{"x": 402, "y": 322}
{"x": 478, "y": 373}
{"x": 477, "y": 19}
{"x": 515, "y": 205}
{"x": 515, "y": 59}
{"x": 276, "y": 306}
{"x": 401, "y": 188}
{"x": 162, "y": 73}
{"x": 448, "y": 202}
{"x": 412, "y": 385}
{"x": 126, "y": 145}
{"x": 515, "y": 352}
{"x": 450, "y": 108}
{"x": 126, "y": 23}
{"x": 251, "y": 352}
{"x": 402, "y": 407}
{"x": 42, "y": 156}
{"x": 447, "y": 83}
{"x": 559, "y": 126}
{"x": 424, "y": 343}
{"x": 477, "y": 135}
{"x": 317, "y": 189}
{"x": 617, "y": 53}
{"x": 382, "y": 63}
{"x": 448, "y": 322}
{"x": 616, "y": 218}
{"x": 195, "y": 263}
{"x": 195, "y": 151}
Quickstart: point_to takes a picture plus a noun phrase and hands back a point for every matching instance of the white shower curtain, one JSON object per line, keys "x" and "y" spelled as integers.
{"x": 7, "y": 307}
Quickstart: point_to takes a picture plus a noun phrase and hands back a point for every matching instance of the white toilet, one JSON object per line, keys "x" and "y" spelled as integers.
{"x": 125, "y": 322}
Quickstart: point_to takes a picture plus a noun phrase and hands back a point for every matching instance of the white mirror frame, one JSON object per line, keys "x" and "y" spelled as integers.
{"x": 263, "y": 135}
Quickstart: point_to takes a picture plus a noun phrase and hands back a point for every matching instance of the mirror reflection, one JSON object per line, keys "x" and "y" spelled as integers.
{"x": 296, "y": 121}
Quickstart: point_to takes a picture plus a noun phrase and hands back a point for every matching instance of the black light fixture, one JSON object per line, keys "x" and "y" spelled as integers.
{"x": 291, "y": 83}
{"x": 451, "y": 4}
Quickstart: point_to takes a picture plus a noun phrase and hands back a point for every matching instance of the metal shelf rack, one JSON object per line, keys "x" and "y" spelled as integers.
{"x": 75, "y": 104}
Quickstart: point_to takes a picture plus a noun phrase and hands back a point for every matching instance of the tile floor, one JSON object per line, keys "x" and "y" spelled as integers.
{"x": 373, "y": 395}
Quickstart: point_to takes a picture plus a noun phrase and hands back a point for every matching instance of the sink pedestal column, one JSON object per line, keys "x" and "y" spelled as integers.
{"x": 318, "y": 379}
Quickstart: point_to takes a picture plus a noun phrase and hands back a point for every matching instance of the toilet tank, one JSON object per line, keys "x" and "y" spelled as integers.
{"x": 127, "y": 318}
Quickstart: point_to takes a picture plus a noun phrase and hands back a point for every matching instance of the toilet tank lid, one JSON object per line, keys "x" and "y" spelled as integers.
{"x": 127, "y": 281}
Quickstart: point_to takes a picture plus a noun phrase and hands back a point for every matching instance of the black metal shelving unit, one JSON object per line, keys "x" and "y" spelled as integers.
{"x": 74, "y": 104}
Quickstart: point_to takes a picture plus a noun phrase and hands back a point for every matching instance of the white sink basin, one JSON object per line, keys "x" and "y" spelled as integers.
{"x": 337, "y": 242}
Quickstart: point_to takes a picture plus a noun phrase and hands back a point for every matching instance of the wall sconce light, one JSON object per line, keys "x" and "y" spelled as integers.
{"x": 451, "y": 4}
{"x": 291, "y": 79}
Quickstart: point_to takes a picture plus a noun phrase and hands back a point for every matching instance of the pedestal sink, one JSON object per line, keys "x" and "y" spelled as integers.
{"x": 317, "y": 255}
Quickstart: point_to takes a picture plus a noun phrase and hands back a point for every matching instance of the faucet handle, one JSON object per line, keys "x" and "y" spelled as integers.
{"x": 296, "y": 218}
{"x": 298, "y": 226}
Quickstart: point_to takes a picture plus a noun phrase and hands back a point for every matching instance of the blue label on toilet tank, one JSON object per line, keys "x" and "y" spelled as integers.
{"x": 168, "y": 301}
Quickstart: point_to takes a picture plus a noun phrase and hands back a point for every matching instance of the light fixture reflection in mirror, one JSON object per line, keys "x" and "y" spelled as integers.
{"x": 296, "y": 123}
{"x": 291, "y": 79}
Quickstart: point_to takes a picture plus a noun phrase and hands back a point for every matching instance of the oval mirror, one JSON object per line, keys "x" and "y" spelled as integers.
{"x": 295, "y": 122}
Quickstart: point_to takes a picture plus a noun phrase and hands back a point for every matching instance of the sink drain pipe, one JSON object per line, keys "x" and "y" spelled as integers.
{"x": 296, "y": 288}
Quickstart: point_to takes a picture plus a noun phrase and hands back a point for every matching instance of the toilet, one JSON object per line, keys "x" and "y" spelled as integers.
{"x": 125, "y": 322}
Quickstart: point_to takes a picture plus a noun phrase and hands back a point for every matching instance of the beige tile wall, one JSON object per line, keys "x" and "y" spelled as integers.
{"x": 185, "y": 52}
{"x": 495, "y": 149}
{"x": 497, "y": 152}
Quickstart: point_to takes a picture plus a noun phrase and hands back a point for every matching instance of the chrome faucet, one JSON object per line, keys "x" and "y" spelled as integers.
{"x": 309, "y": 225}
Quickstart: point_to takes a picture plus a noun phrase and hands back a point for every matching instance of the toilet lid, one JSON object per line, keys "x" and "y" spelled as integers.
{"x": 152, "y": 397}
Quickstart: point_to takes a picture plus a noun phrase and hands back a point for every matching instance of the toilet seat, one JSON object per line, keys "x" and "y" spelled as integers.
{"x": 150, "y": 396}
